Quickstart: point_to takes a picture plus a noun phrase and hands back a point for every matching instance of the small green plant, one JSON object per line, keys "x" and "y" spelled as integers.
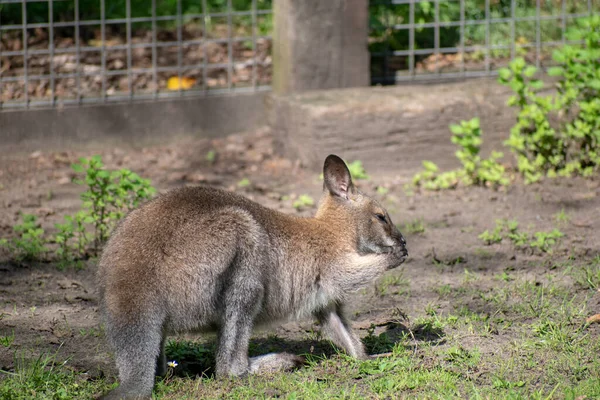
{"x": 303, "y": 201}
{"x": 90, "y": 332}
{"x": 211, "y": 156}
{"x": 470, "y": 276}
{"x": 30, "y": 243}
{"x": 460, "y": 356}
{"x": 562, "y": 216}
{"x": 505, "y": 276}
{"x": 495, "y": 236}
{"x": 357, "y": 170}
{"x": 382, "y": 190}
{"x": 467, "y": 135}
{"x": 109, "y": 195}
{"x": 431, "y": 326}
{"x": 509, "y": 229}
{"x": 474, "y": 171}
{"x": 518, "y": 239}
{"x": 431, "y": 309}
{"x": 377, "y": 344}
{"x": 7, "y": 340}
{"x": 545, "y": 240}
{"x": 416, "y": 227}
{"x": 558, "y": 134}
{"x": 185, "y": 352}
{"x": 504, "y": 228}
{"x": 244, "y": 182}
{"x": 501, "y": 383}
{"x": 444, "y": 290}
{"x": 432, "y": 179}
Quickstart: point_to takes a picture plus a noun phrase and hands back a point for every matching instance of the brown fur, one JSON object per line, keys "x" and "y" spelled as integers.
{"x": 203, "y": 259}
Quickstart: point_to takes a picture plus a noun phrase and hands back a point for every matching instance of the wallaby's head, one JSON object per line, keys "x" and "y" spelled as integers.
{"x": 364, "y": 220}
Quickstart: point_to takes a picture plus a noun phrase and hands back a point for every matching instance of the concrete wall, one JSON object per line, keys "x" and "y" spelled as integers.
{"x": 391, "y": 127}
{"x": 129, "y": 123}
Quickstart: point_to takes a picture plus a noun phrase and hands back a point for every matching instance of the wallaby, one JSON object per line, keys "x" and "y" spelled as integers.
{"x": 204, "y": 259}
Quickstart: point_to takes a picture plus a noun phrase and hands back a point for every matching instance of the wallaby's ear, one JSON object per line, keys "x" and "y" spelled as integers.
{"x": 337, "y": 177}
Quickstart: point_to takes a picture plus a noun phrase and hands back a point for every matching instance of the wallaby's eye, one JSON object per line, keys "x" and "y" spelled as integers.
{"x": 381, "y": 217}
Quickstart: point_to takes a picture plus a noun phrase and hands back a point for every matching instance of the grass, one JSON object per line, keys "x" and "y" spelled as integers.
{"x": 561, "y": 217}
{"x": 393, "y": 283}
{"x": 7, "y": 340}
{"x": 488, "y": 336}
{"x": 552, "y": 356}
{"x": 43, "y": 377}
{"x": 588, "y": 274}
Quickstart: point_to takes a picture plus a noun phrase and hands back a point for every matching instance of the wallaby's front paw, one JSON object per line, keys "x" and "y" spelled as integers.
{"x": 275, "y": 362}
{"x": 398, "y": 255}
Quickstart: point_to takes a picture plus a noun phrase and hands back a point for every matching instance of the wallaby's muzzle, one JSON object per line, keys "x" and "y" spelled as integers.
{"x": 399, "y": 250}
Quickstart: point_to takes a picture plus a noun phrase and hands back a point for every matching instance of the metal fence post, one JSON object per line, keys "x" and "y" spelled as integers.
{"x": 320, "y": 44}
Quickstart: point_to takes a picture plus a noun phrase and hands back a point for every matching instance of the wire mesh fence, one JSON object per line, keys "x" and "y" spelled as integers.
{"x": 69, "y": 52}
{"x": 439, "y": 39}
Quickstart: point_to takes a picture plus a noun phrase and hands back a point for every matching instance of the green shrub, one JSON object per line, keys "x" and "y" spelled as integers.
{"x": 558, "y": 134}
{"x": 475, "y": 170}
{"x": 109, "y": 195}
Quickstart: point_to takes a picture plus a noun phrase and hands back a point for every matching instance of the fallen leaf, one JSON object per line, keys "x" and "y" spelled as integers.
{"x": 593, "y": 318}
{"x": 581, "y": 224}
{"x": 176, "y": 83}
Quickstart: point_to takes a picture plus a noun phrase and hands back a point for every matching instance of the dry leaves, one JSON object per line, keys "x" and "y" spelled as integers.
{"x": 176, "y": 83}
{"x": 594, "y": 318}
{"x": 249, "y": 66}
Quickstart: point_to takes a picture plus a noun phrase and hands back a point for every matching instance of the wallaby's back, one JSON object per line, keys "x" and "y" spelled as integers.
{"x": 171, "y": 256}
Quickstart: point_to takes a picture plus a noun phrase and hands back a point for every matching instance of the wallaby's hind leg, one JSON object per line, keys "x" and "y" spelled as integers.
{"x": 275, "y": 362}
{"x": 161, "y": 364}
{"x": 241, "y": 303}
{"x": 137, "y": 348}
{"x": 337, "y": 328}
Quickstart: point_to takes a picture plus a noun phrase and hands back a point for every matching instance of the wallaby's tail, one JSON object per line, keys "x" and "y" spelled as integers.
{"x": 137, "y": 347}
{"x": 275, "y": 362}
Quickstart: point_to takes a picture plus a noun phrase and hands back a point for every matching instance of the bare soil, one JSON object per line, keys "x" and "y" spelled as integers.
{"x": 53, "y": 311}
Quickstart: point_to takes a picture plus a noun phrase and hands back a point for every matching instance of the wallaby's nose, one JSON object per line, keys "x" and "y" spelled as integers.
{"x": 402, "y": 240}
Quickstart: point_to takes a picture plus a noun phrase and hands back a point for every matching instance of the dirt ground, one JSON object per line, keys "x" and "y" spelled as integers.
{"x": 53, "y": 311}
